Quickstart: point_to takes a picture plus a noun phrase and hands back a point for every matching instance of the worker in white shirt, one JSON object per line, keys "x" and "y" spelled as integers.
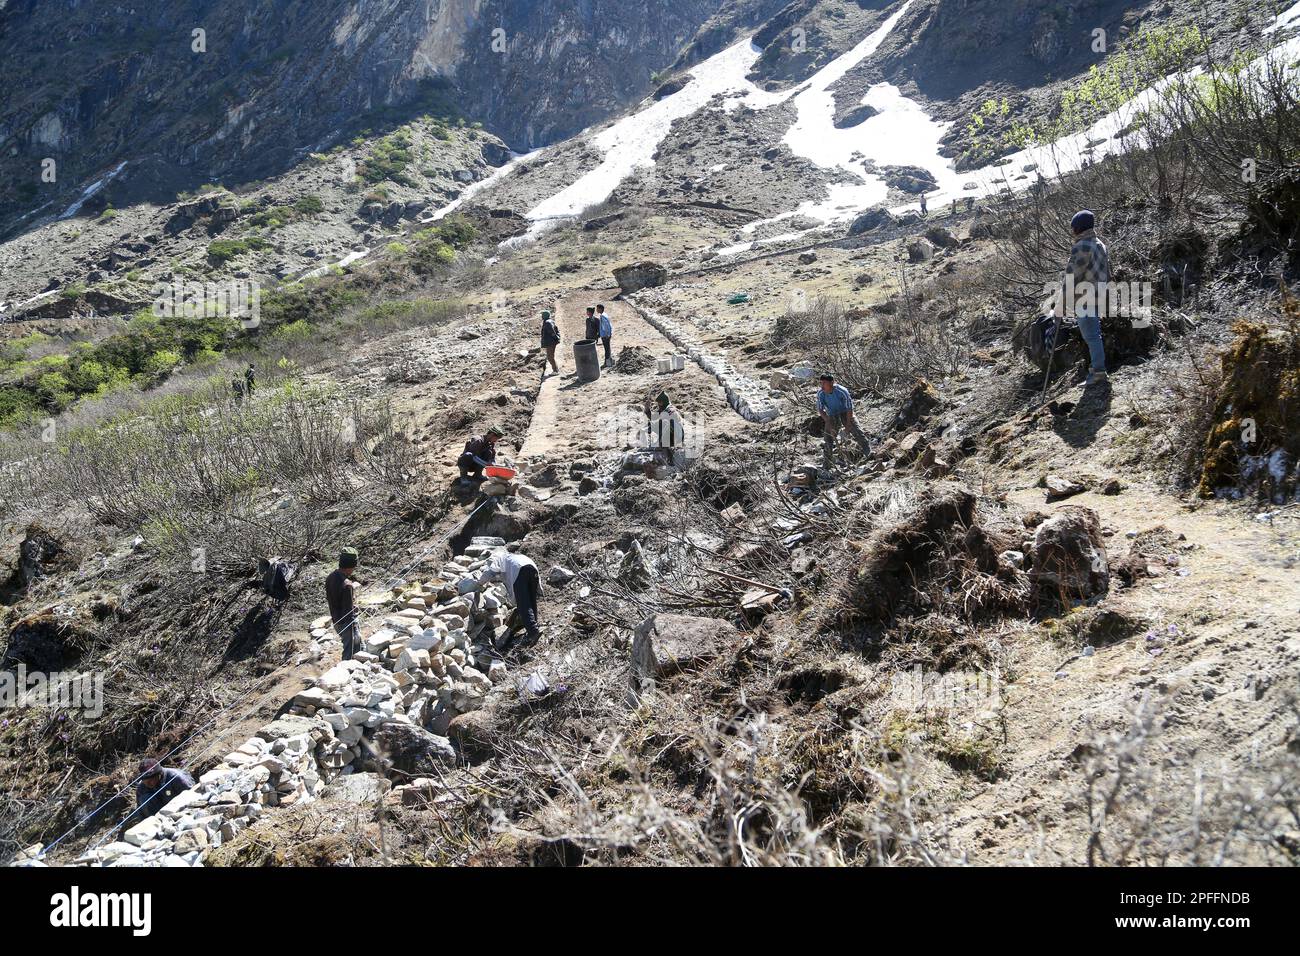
{"x": 523, "y": 587}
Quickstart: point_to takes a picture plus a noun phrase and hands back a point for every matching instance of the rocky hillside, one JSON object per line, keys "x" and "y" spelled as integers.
{"x": 1037, "y": 616}
{"x": 232, "y": 92}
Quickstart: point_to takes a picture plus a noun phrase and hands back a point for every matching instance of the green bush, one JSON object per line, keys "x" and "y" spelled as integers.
{"x": 310, "y": 205}
{"x": 388, "y": 160}
{"x": 223, "y": 250}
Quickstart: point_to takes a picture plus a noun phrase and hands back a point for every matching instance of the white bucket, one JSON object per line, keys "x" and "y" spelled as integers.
{"x": 665, "y": 365}
{"x": 679, "y": 362}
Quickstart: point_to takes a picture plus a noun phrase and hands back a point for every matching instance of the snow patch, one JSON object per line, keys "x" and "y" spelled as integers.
{"x": 630, "y": 143}
{"x": 90, "y": 190}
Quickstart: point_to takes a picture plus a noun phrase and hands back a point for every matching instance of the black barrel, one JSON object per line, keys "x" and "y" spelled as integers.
{"x": 584, "y": 356}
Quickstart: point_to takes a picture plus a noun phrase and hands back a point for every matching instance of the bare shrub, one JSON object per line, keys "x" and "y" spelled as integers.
{"x": 881, "y": 354}
{"x": 1144, "y": 808}
{"x": 197, "y": 476}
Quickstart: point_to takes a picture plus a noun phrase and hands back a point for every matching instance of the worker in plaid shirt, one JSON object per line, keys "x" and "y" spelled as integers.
{"x": 1087, "y": 277}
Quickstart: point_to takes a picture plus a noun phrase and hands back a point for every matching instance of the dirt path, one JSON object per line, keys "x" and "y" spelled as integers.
{"x": 1226, "y": 625}
{"x": 573, "y": 420}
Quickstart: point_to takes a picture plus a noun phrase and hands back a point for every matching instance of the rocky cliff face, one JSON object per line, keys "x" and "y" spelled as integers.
{"x": 243, "y": 89}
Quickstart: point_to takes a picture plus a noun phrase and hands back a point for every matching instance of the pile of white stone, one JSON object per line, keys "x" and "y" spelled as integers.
{"x": 430, "y": 658}
{"x": 750, "y": 398}
{"x": 279, "y": 766}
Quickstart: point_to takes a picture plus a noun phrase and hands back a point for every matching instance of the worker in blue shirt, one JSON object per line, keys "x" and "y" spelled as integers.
{"x": 606, "y": 334}
{"x": 835, "y": 405}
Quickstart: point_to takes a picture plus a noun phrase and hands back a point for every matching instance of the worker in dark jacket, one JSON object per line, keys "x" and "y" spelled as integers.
{"x": 593, "y": 323}
{"x": 550, "y": 339}
{"x": 157, "y": 786}
{"x": 478, "y": 454}
{"x": 250, "y": 376}
{"x": 338, "y": 595}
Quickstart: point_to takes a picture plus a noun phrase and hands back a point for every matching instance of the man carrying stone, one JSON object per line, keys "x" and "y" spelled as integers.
{"x": 835, "y": 405}
{"x": 338, "y": 595}
{"x": 523, "y": 587}
{"x": 480, "y": 451}
{"x": 157, "y": 786}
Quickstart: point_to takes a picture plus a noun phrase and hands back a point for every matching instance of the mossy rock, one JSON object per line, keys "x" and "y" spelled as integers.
{"x": 1255, "y": 442}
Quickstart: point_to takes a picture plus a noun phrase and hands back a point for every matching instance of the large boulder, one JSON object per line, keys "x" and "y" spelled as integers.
{"x": 641, "y": 275}
{"x": 920, "y": 250}
{"x": 855, "y": 116}
{"x": 871, "y": 220}
{"x": 664, "y": 644}
{"x": 675, "y": 85}
{"x": 1069, "y": 555}
{"x": 942, "y": 237}
{"x": 909, "y": 179}
{"x": 413, "y": 750}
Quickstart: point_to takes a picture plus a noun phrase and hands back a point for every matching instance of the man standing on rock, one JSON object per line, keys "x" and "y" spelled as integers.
{"x": 480, "y": 451}
{"x": 1086, "y": 277}
{"x": 606, "y": 330}
{"x": 158, "y": 786}
{"x": 523, "y": 587}
{"x": 924, "y": 211}
{"x": 550, "y": 339}
{"x": 592, "y": 330}
{"x": 338, "y": 595}
{"x": 835, "y": 405}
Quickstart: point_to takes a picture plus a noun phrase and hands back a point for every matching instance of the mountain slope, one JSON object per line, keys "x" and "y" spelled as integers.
{"x": 190, "y": 92}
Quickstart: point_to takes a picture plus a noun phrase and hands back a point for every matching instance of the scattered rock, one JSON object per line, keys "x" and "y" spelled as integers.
{"x": 559, "y": 576}
{"x": 1060, "y": 488}
{"x": 1069, "y": 555}
{"x": 664, "y": 644}
{"x": 642, "y": 275}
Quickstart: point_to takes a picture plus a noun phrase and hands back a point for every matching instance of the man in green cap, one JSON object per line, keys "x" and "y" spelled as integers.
{"x": 550, "y": 339}
{"x": 338, "y": 594}
{"x": 480, "y": 451}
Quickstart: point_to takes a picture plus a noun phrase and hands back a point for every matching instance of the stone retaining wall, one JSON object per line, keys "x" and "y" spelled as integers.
{"x": 749, "y": 398}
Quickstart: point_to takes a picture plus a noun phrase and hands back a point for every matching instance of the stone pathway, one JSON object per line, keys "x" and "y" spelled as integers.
{"x": 428, "y": 659}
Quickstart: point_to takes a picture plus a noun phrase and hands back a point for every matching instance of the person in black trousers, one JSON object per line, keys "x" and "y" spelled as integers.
{"x": 338, "y": 594}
